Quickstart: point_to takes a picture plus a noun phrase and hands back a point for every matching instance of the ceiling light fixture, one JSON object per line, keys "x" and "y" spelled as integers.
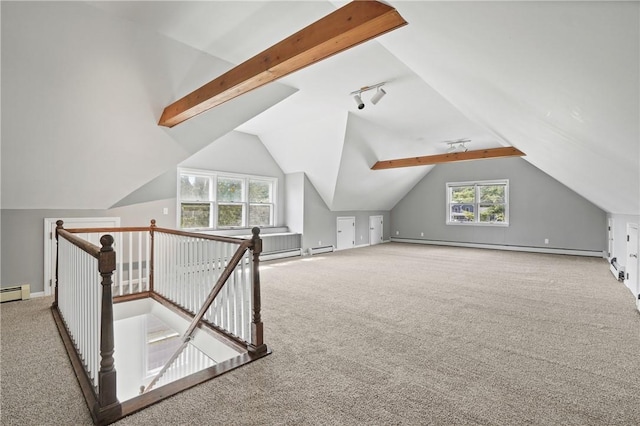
{"x": 374, "y": 100}
{"x": 458, "y": 146}
{"x": 358, "y": 100}
{"x": 379, "y": 94}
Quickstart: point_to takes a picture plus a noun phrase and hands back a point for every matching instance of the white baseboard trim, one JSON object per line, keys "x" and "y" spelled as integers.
{"x": 588, "y": 253}
{"x": 37, "y": 294}
{"x": 361, "y": 245}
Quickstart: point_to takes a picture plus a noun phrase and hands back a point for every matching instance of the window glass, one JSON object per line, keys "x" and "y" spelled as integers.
{"x": 259, "y": 214}
{"x": 462, "y": 194}
{"x": 230, "y": 189}
{"x": 194, "y": 188}
{"x": 230, "y": 215}
{"x": 259, "y": 191}
{"x": 491, "y": 193}
{"x": 195, "y": 215}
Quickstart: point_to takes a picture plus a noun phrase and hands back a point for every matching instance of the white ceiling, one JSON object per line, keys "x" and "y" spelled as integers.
{"x": 558, "y": 80}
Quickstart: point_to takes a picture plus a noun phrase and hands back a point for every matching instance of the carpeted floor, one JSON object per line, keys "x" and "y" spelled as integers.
{"x": 389, "y": 334}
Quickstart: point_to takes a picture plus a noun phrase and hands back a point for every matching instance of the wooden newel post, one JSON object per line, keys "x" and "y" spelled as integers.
{"x": 257, "y": 339}
{"x": 107, "y": 406}
{"x": 152, "y": 229}
{"x": 59, "y": 224}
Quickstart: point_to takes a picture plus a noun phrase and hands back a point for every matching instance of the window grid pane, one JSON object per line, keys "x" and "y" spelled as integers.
{"x": 230, "y": 189}
{"x": 260, "y": 214}
{"x": 195, "y": 188}
{"x": 195, "y": 215}
{"x": 260, "y": 191}
{"x": 230, "y": 215}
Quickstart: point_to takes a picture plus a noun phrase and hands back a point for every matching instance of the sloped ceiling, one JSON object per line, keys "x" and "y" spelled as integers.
{"x": 558, "y": 80}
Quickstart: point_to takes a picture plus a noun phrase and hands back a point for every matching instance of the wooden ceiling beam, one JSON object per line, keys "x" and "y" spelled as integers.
{"x": 348, "y": 26}
{"x": 481, "y": 154}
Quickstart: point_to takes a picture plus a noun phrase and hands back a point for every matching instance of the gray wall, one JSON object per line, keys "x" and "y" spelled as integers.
{"x": 321, "y": 226}
{"x": 540, "y": 207}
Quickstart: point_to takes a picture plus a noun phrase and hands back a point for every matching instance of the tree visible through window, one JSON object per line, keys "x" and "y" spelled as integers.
{"x": 478, "y": 202}
{"x": 217, "y": 201}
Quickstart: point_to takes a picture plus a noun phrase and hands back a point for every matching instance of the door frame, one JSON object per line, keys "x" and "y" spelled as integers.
{"x": 50, "y": 242}
{"x": 633, "y": 258}
{"x": 610, "y": 239}
{"x": 381, "y": 217}
{"x": 353, "y": 231}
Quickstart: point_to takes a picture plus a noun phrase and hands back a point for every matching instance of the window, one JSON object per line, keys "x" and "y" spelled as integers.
{"x": 478, "y": 203}
{"x": 212, "y": 200}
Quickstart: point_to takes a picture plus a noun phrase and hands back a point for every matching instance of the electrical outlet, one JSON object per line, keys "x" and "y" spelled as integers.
{"x": 422, "y": 234}
{"x": 361, "y": 237}
{"x": 397, "y": 232}
{"x": 319, "y": 243}
{"x": 546, "y": 241}
{"x": 165, "y": 210}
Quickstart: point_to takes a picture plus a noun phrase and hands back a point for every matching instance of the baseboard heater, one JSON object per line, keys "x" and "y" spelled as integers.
{"x": 319, "y": 250}
{"x": 281, "y": 254}
{"x": 616, "y": 270}
{"x": 20, "y": 292}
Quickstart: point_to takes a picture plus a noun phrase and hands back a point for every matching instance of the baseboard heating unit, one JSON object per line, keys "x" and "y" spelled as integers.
{"x": 20, "y": 292}
{"x": 616, "y": 270}
{"x": 319, "y": 250}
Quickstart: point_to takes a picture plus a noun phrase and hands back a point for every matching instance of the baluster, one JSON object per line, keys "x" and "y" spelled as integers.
{"x": 120, "y": 266}
{"x": 151, "y": 240}
{"x": 140, "y": 261}
{"x": 59, "y": 225}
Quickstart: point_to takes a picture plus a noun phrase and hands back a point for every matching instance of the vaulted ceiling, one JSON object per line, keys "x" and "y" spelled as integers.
{"x": 84, "y": 83}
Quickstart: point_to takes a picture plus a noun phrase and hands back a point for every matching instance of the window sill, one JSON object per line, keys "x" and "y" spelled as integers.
{"x": 496, "y": 224}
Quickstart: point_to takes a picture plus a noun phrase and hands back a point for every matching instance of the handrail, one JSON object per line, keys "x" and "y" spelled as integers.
{"x": 220, "y": 238}
{"x": 85, "y": 245}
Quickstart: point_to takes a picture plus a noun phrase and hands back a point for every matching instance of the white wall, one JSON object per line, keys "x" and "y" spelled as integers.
{"x": 294, "y": 208}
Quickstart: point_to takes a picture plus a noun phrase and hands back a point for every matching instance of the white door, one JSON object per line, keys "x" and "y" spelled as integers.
{"x": 610, "y": 239}
{"x": 631, "y": 269}
{"x": 346, "y": 233}
{"x": 375, "y": 229}
{"x": 50, "y": 241}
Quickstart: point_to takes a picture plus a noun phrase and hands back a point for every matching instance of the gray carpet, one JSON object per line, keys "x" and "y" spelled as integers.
{"x": 389, "y": 334}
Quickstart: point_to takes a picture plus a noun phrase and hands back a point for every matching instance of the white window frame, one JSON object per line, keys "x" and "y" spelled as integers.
{"x": 476, "y": 203}
{"x": 213, "y": 201}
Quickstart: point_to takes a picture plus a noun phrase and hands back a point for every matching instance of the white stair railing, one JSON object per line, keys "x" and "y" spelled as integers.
{"x": 79, "y": 303}
{"x": 186, "y": 270}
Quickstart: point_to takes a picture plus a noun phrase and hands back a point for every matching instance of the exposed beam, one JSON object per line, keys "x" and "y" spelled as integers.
{"x": 480, "y": 154}
{"x": 348, "y": 26}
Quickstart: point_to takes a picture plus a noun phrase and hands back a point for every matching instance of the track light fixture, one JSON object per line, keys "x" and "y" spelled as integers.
{"x": 358, "y": 100}
{"x": 376, "y": 97}
{"x": 458, "y": 146}
{"x": 379, "y": 94}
